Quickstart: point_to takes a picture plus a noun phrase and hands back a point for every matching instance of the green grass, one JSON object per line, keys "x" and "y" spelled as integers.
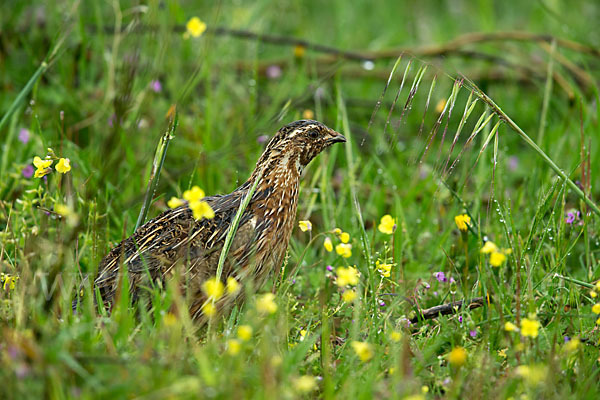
{"x": 84, "y": 90}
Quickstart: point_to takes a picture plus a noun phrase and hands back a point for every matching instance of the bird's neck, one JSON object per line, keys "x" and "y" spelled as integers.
{"x": 277, "y": 192}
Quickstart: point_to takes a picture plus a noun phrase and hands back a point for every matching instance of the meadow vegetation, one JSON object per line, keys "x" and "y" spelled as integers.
{"x": 468, "y": 176}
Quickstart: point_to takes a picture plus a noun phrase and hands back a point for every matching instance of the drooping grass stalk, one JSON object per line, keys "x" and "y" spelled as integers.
{"x": 380, "y": 100}
{"x": 234, "y": 225}
{"x": 498, "y": 111}
{"x": 24, "y": 92}
{"x": 575, "y": 281}
{"x": 157, "y": 164}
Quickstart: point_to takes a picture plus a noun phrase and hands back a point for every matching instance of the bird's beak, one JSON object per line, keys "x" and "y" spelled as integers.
{"x": 336, "y": 138}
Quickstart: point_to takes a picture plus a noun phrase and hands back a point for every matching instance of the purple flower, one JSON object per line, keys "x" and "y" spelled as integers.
{"x": 473, "y": 333}
{"x": 435, "y": 293}
{"x": 381, "y": 303}
{"x": 273, "y": 71}
{"x": 156, "y": 86}
{"x": 513, "y": 163}
{"x": 440, "y": 276}
{"x": 570, "y": 217}
{"x": 262, "y": 139}
{"x": 24, "y": 135}
{"x": 567, "y": 339}
{"x": 329, "y": 268}
{"x": 28, "y": 171}
{"x": 460, "y": 319}
{"x": 452, "y": 280}
{"x": 427, "y": 285}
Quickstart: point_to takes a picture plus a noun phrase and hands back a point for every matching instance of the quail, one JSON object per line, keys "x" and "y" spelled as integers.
{"x": 176, "y": 243}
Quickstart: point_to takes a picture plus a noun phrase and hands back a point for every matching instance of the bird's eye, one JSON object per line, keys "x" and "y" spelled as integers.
{"x": 313, "y": 134}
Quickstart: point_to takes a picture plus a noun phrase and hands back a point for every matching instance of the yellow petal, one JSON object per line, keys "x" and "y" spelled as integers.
{"x": 63, "y": 166}
{"x": 41, "y": 164}
{"x": 244, "y": 332}
{"x": 305, "y": 225}
{"x": 457, "y": 357}
{"x": 387, "y": 224}
{"x": 175, "y": 202}
{"x": 489, "y": 247}
{"x": 328, "y": 245}
{"x": 345, "y": 237}
{"x": 233, "y": 286}
{"x": 194, "y": 194}
{"x": 213, "y": 288}
{"x": 195, "y": 27}
{"x": 348, "y": 296}
{"x": 344, "y": 250}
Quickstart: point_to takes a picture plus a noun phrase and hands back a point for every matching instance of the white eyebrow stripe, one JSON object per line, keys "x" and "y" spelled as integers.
{"x": 303, "y": 129}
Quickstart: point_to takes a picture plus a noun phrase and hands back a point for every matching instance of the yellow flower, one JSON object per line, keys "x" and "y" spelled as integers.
{"x": 346, "y": 276}
{"x": 572, "y": 345}
{"x": 305, "y": 384}
{"x": 305, "y": 225}
{"x": 41, "y": 164}
{"x": 63, "y": 210}
{"x": 170, "y": 319}
{"x": 533, "y": 374}
{"x": 462, "y": 222}
{"x": 424, "y": 389}
{"x": 489, "y": 247}
{"x": 387, "y": 224}
{"x": 598, "y": 285}
{"x": 265, "y": 304}
{"x": 244, "y": 332}
{"x": 344, "y": 250}
{"x": 233, "y": 346}
{"x": 384, "y": 269}
{"x": 349, "y": 296}
{"x": 8, "y": 281}
{"x": 193, "y": 194}
{"x": 396, "y": 336}
{"x": 502, "y": 353}
{"x": 598, "y": 321}
{"x": 596, "y": 308}
{"x": 510, "y": 327}
{"x": 232, "y": 285}
{"x": 414, "y": 397}
{"x": 209, "y": 309}
{"x": 201, "y": 209}
{"x": 299, "y": 51}
{"x": 195, "y": 27}
{"x": 63, "y": 166}
{"x": 213, "y": 288}
{"x": 593, "y": 293}
{"x": 440, "y": 105}
{"x": 363, "y": 350}
{"x": 175, "y": 202}
{"x": 530, "y": 327}
{"x": 308, "y": 114}
{"x": 328, "y": 245}
{"x": 337, "y": 231}
{"x": 344, "y": 237}
{"x": 42, "y": 167}
{"x": 497, "y": 259}
{"x": 457, "y": 357}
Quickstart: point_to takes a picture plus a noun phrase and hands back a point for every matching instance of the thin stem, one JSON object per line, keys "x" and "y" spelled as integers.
{"x": 157, "y": 164}
{"x": 498, "y": 111}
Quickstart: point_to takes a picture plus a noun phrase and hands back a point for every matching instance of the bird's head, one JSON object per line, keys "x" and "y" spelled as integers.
{"x": 301, "y": 141}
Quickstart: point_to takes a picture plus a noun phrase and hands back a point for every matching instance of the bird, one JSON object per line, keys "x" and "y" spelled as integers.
{"x": 176, "y": 244}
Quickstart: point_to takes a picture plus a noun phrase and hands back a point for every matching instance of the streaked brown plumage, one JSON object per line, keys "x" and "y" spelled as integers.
{"x": 174, "y": 240}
